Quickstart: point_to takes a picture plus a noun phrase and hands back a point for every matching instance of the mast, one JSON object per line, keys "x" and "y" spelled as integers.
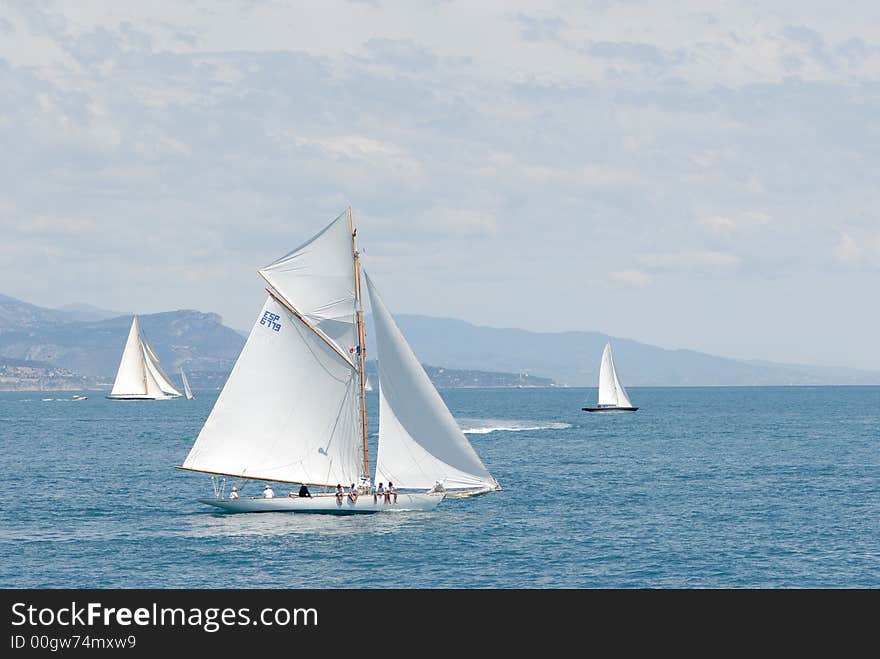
{"x": 362, "y": 344}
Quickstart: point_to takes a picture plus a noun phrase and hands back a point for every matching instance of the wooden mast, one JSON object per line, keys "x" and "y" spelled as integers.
{"x": 362, "y": 344}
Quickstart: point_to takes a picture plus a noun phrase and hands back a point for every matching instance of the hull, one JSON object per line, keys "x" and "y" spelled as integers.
{"x": 609, "y": 409}
{"x": 140, "y": 397}
{"x": 328, "y": 504}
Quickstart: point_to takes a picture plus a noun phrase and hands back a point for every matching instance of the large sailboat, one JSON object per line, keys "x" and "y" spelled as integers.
{"x": 612, "y": 395}
{"x": 140, "y": 376}
{"x": 293, "y": 409}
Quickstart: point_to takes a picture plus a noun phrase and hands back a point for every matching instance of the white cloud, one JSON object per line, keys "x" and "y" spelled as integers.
{"x": 629, "y": 278}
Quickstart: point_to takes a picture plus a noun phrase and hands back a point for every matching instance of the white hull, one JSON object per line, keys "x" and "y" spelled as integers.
{"x": 327, "y": 503}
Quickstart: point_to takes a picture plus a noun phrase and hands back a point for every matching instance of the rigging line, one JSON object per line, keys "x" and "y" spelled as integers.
{"x": 280, "y": 299}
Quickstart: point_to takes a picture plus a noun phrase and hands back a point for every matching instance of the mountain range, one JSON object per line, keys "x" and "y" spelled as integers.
{"x": 80, "y": 345}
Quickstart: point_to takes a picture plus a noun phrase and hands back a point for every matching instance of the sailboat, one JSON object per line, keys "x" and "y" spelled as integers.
{"x": 293, "y": 409}
{"x": 140, "y": 377}
{"x": 186, "y": 390}
{"x": 612, "y": 395}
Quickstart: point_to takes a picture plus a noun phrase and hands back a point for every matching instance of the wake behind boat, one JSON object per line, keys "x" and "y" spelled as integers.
{"x": 293, "y": 409}
{"x": 612, "y": 395}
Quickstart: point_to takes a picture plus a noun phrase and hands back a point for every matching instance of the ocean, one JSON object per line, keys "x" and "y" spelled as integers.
{"x": 734, "y": 487}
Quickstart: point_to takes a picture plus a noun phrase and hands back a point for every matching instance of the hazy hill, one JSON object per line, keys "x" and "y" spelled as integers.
{"x": 572, "y": 358}
{"x": 197, "y": 341}
{"x": 486, "y": 356}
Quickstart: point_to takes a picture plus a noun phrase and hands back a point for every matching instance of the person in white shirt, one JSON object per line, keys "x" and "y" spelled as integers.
{"x": 379, "y": 493}
{"x": 233, "y": 494}
{"x": 353, "y": 492}
{"x": 268, "y": 493}
{"x": 391, "y": 492}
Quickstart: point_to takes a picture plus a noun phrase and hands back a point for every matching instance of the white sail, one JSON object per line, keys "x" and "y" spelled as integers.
{"x": 611, "y": 391}
{"x": 186, "y": 389}
{"x": 317, "y": 279}
{"x": 131, "y": 376}
{"x": 152, "y": 363}
{"x": 288, "y": 412}
{"x": 420, "y": 442}
{"x": 368, "y": 386}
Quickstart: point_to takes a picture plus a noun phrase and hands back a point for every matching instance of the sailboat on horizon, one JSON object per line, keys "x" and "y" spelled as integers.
{"x": 293, "y": 409}
{"x": 612, "y": 396}
{"x": 140, "y": 376}
{"x": 186, "y": 390}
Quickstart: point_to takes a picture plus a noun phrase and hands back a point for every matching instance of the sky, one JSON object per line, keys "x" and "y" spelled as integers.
{"x": 690, "y": 174}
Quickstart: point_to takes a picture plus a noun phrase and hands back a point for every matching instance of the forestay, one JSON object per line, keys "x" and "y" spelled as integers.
{"x": 420, "y": 442}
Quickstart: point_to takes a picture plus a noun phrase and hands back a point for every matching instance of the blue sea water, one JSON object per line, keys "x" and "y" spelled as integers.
{"x": 701, "y": 488}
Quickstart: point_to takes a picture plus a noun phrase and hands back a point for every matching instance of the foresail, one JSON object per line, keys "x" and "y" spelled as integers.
{"x": 152, "y": 363}
{"x": 622, "y": 399}
{"x": 287, "y": 412}
{"x": 420, "y": 442}
{"x": 317, "y": 279}
{"x": 130, "y": 378}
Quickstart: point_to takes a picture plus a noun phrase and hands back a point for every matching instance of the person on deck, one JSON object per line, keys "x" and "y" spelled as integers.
{"x": 353, "y": 493}
{"x": 268, "y": 492}
{"x": 391, "y": 492}
{"x": 304, "y": 491}
{"x": 380, "y": 492}
{"x": 339, "y": 493}
{"x": 233, "y": 494}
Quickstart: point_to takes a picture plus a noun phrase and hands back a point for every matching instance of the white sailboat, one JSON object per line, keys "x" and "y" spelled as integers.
{"x": 293, "y": 409}
{"x": 186, "y": 390}
{"x": 140, "y": 377}
{"x": 612, "y": 395}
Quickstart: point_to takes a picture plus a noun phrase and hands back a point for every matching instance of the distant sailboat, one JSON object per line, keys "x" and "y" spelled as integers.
{"x": 612, "y": 395}
{"x": 368, "y": 386}
{"x": 140, "y": 377}
{"x": 293, "y": 409}
{"x": 186, "y": 390}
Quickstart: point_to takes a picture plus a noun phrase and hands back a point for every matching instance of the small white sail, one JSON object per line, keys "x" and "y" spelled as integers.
{"x": 288, "y": 411}
{"x": 420, "y": 442}
{"x": 368, "y": 386}
{"x": 611, "y": 391}
{"x": 318, "y": 280}
{"x": 152, "y": 362}
{"x": 131, "y": 376}
{"x": 186, "y": 390}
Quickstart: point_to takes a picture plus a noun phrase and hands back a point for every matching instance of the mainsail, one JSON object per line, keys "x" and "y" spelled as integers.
{"x": 290, "y": 409}
{"x": 420, "y": 442}
{"x": 611, "y": 391}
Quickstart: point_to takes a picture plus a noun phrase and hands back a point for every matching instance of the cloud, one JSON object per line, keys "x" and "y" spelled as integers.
{"x": 699, "y": 261}
{"x": 629, "y": 278}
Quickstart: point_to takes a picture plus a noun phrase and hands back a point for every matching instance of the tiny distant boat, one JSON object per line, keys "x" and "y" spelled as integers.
{"x": 612, "y": 395}
{"x": 79, "y": 397}
{"x": 140, "y": 377}
{"x": 186, "y": 390}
